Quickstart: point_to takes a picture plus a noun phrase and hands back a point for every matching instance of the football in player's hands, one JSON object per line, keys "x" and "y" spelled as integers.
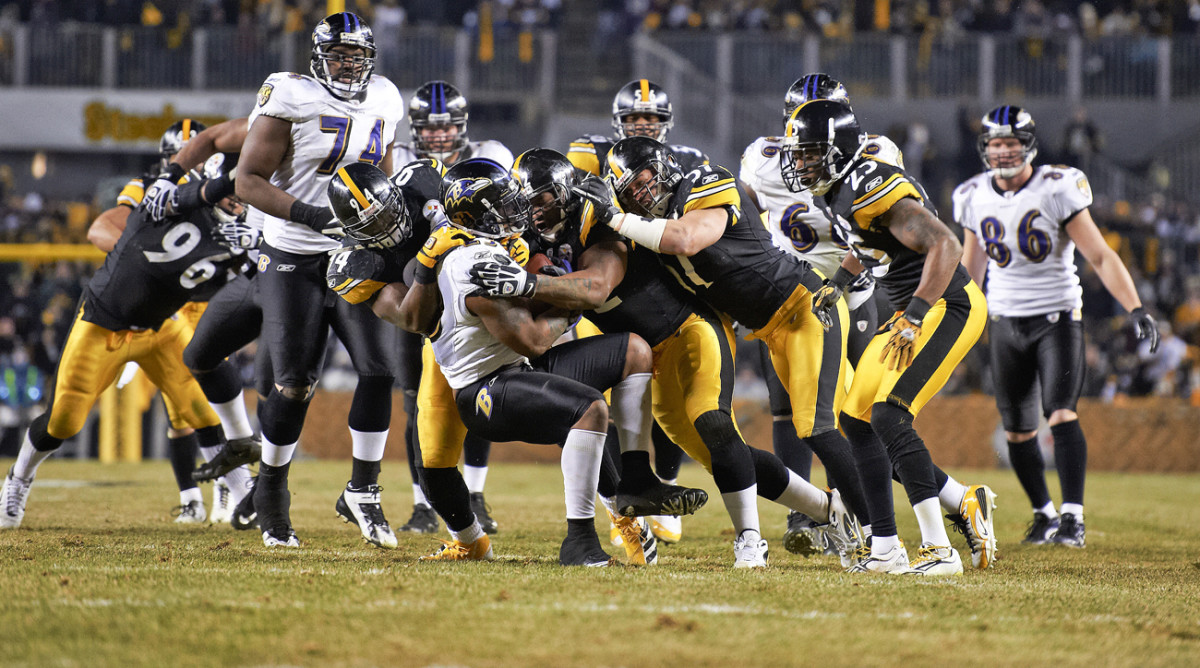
{"x": 537, "y": 262}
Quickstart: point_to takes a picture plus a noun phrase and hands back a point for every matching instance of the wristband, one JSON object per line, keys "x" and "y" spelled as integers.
{"x": 173, "y": 173}
{"x": 842, "y": 278}
{"x": 917, "y": 308}
{"x": 218, "y": 189}
{"x": 312, "y": 217}
{"x": 645, "y": 231}
{"x": 188, "y": 197}
{"x": 423, "y": 274}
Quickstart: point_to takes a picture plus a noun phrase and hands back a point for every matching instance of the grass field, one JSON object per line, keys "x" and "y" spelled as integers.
{"x": 99, "y": 576}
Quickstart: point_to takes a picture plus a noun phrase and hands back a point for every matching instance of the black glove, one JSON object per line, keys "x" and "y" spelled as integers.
{"x": 596, "y": 191}
{"x": 825, "y": 298}
{"x": 1146, "y": 327}
{"x": 317, "y": 218}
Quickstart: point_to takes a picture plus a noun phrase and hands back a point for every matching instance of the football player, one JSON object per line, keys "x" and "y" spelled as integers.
{"x": 883, "y": 215}
{"x": 641, "y": 108}
{"x": 1022, "y": 223}
{"x": 437, "y": 118}
{"x": 625, "y": 288}
{"x": 302, "y": 130}
{"x": 104, "y": 233}
{"x": 801, "y": 228}
{"x": 691, "y": 221}
{"x": 128, "y": 313}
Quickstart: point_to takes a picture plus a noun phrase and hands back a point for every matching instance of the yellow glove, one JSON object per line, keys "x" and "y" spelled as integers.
{"x": 440, "y": 241}
{"x": 824, "y": 301}
{"x": 901, "y": 345}
{"x": 517, "y": 249}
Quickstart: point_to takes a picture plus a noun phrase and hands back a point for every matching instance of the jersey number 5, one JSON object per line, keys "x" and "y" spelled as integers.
{"x": 340, "y": 126}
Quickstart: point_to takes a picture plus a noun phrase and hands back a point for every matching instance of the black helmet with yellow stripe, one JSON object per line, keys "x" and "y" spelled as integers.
{"x": 176, "y": 136}
{"x": 821, "y": 142}
{"x": 369, "y": 206}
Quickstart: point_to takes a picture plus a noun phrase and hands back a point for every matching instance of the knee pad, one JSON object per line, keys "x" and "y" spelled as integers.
{"x": 717, "y": 431}
{"x": 282, "y": 418}
{"x": 302, "y": 393}
{"x": 893, "y": 426}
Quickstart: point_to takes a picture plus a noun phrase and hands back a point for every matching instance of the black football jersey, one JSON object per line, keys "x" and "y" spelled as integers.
{"x": 647, "y": 302}
{"x": 743, "y": 274}
{"x": 589, "y": 153}
{"x": 868, "y": 190}
{"x": 157, "y": 268}
{"x": 357, "y": 272}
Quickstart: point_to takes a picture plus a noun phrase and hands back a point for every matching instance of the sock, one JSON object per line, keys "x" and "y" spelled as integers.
{"x": 635, "y": 470}
{"x": 929, "y": 517}
{"x": 803, "y": 497}
{"x": 190, "y": 494}
{"x": 609, "y": 479}
{"x": 668, "y": 457}
{"x": 875, "y": 472}
{"x": 835, "y": 453}
{"x": 368, "y": 445}
{"x": 207, "y": 453}
{"x": 581, "y": 471}
{"x": 742, "y": 507}
{"x": 363, "y": 473}
{"x": 419, "y": 496}
{"x": 1070, "y": 456}
{"x": 1047, "y": 510}
{"x": 1075, "y": 509}
{"x": 28, "y": 460}
{"x": 475, "y": 477}
{"x": 1030, "y": 467}
{"x": 790, "y": 448}
{"x": 234, "y": 419}
{"x": 476, "y": 451}
{"x": 239, "y": 483}
{"x": 951, "y": 495}
{"x": 631, "y": 412}
{"x": 182, "y": 453}
{"x": 881, "y": 545}
{"x": 277, "y": 455}
{"x": 468, "y": 535}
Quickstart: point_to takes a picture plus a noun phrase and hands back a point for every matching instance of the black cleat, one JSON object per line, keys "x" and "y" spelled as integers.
{"x": 235, "y": 453}
{"x": 1040, "y": 530}
{"x": 1070, "y": 531}
{"x": 660, "y": 499}
{"x": 423, "y": 520}
{"x": 244, "y": 516}
{"x": 483, "y": 513}
{"x": 804, "y": 536}
{"x": 583, "y": 550}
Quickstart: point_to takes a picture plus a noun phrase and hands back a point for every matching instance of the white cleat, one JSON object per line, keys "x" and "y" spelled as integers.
{"x": 361, "y": 507}
{"x": 190, "y": 513}
{"x": 936, "y": 560}
{"x": 842, "y": 531}
{"x": 894, "y": 561}
{"x": 12, "y": 500}
{"x": 749, "y": 550}
{"x": 281, "y": 536}
{"x": 222, "y": 503}
{"x": 975, "y": 521}
{"x": 667, "y": 528}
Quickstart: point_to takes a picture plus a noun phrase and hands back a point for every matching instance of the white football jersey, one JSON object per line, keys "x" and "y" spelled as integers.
{"x": 796, "y": 224}
{"x": 1031, "y": 259}
{"x": 491, "y": 149}
{"x": 327, "y": 133}
{"x": 466, "y": 351}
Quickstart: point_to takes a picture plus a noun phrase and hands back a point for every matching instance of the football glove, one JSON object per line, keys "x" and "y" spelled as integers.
{"x": 1145, "y": 326}
{"x": 162, "y": 197}
{"x": 596, "y": 191}
{"x": 355, "y": 273}
{"x": 517, "y": 249}
{"x": 440, "y": 241}
{"x": 825, "y": 298}
{"x": 238, "y": 234}
{"x": 503, "y": 278}
{"x": 901, "y": 346}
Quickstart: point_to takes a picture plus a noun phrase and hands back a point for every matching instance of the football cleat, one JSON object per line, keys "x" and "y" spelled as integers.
{"x": 842, "y": 531}
{"x": 189, "y": 513}
{"x": 483, "y": 513}
{"x": 749, "y": 550}
{"x": 281, "y": 535}
{"x": 583, "y": 550}
{"x": 453, "y": 550}
{"x": 361, "y": 506}
{"x": 243, "y": 515}
{"x": 614, "y": 535}
{"x": 803, "y": 536}
{"x": 936, "y": 560}
{"x": 12, "y": 500}
{"x": 222, "y": 504}
{"x": 235, "y": 453}
{"x": 666, "y": 528}
{"x": 1069, "y": 532}
{"x": 1041, "y": 529}
{"x": 975, "y": 522}
{"x": 423, "y": 520}
{"x": 660, "y": 499}
{"x": 641, "y": 546}
{"x": 894, "y": 561}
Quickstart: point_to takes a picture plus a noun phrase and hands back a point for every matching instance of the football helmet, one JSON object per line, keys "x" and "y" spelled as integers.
{"x": 627, "y": 160}
{"x": 542, "y": 171}
{"x": 642, "y": 97}
{"x": 809, "y": 87}
{"x": 821, "y": 142}
{"x": 175, "y": 137}
{"x": 435, "y": 104}
{"x": 369, "y": 206}
{"x": 480, "y": 197}
{"x": 343, "y": 29}
{"x": 1008, "y": 121}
